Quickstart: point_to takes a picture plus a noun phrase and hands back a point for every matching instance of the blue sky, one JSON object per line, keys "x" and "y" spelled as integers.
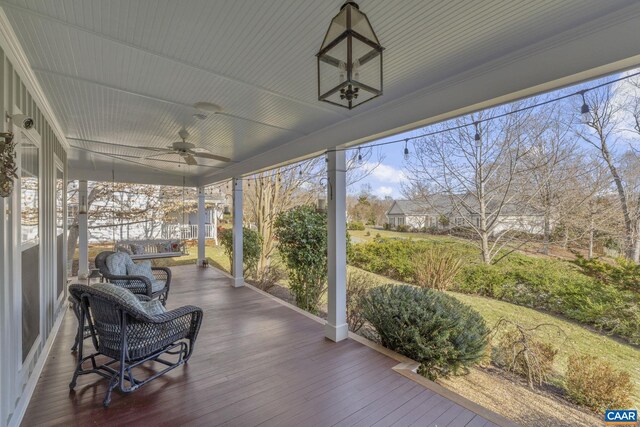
{"x": 386, "y": 179}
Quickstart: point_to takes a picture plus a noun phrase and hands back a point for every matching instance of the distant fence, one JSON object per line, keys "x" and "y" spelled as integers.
{"x": 188, "y": 231}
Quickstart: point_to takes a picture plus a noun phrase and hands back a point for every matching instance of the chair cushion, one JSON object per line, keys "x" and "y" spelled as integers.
{"x": 141, "y": 269}
{"x": 153, "y": 307}
{"x": 144, "y": 269}
{"x": 117, "y": 264}
{"x": 120, "y": 293}
{"x": 157, "y": 285}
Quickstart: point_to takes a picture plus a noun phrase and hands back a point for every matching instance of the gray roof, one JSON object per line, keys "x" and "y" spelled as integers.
{"x": 437, "y": 204}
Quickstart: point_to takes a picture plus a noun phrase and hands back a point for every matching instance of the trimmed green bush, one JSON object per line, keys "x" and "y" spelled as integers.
{"x": 393, "y": 258}
{"x": 558, "y": 287}
{"x": 623, "y": 274}
{"x": 434, "y": 329}
{"x": 552, "y": 285}
{"x": 251, "y": 248}
{"x": 355, "y": 226}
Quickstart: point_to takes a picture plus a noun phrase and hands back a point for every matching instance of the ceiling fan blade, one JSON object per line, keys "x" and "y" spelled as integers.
{"x": 190, "y": 160}
{"x": 210, "y": 156}
{"x": 161, "y": 153}
{"x": 113, "y": 144}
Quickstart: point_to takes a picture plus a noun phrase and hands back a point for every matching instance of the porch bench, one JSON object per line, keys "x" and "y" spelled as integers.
{"x": 151, "y": 249}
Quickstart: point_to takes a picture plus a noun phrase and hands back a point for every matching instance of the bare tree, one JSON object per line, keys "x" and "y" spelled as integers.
{"x": 589, "y": 210}
{"x": 602, "y": 131}
{"x": 112, "y": 208}
{"x": 551, "y": 160}
{"x": 478, "y": 168}
{"x": 275, "y": 191}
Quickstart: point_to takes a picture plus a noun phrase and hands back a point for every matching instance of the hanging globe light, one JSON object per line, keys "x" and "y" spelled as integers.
{"x": 349, "y": 60}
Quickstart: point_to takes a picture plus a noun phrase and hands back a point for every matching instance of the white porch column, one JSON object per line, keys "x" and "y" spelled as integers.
{"x": 201, "y": 226}
{"x": 83, "y": 232}
{"x": 237, "y": 267}
{"x": 215, "y": 225}
{"x": 336, "y": 328}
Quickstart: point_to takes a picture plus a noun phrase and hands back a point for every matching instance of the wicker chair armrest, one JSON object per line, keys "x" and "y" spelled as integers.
{"x": 186, "y": 315}
{"x": 162, "y": 273}
{"x": 134, "y": 283}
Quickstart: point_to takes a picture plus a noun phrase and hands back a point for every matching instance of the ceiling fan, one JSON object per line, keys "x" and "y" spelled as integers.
{"x": 186, "y": 150}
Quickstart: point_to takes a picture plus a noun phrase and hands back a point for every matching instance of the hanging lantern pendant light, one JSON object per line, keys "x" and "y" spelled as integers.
{"x": 349, "y": 60}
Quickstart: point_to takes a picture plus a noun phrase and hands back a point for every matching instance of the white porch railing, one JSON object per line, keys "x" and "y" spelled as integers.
{"x": 188, "y": 231}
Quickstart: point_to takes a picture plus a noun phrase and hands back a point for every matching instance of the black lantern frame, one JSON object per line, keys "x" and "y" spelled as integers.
{"x": 349, "y": 91}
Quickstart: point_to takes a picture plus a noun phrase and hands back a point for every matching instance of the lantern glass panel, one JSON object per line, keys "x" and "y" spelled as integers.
{"x": 333, "y": 67}
{"x": 338, "y": 26}
{"x": 360, "y": 24}
{"x": 366, "y": 64}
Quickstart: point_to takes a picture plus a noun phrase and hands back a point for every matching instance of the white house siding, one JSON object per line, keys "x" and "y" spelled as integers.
{"x": 532, "y": 224}
{"x": 528, "y": 224}
{"x": 32, "y": 273}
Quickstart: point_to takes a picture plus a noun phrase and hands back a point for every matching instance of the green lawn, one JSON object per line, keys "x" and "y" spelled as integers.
{"x": 369, "y": 234}
{"x": 216, "y": 255}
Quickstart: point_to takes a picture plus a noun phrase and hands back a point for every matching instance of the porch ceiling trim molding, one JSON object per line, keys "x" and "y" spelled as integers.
{"x": 589, "y": 51}
{"x": 15, "y": 53}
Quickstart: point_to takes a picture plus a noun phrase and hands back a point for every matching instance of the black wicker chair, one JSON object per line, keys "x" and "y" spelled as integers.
{"x": 136, "y": 284}
{"x": 128, "y": 336}
{"x": 76, "y": 308}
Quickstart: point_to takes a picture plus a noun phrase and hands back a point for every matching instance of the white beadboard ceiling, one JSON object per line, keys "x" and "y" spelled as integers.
{"x": 127, "y": 72}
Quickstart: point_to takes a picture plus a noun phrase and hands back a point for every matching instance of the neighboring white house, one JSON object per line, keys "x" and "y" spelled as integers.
{"x": 441, "y": 212}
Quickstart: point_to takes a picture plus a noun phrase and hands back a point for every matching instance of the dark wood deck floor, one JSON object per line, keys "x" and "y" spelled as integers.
{"x": 256, "y": 362}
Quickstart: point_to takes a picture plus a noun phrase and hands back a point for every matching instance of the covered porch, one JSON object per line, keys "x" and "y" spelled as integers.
{"x": 128, "y": 92}
{"x": 257, "y": 362}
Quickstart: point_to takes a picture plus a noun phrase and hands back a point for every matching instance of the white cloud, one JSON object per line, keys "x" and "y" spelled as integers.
{"x": 386, "y": 173}
{"x": 383, "y": 191}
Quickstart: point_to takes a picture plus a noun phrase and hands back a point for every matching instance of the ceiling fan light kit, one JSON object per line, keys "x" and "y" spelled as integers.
{"x": 184, "y": 149}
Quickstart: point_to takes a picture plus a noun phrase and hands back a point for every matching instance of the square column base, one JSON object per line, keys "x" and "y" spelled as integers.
{"x": 336, "y": 333}
{"x": 238, "y": 282}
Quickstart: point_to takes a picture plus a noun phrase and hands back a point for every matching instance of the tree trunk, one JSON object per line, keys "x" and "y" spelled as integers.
{"x": 547, "y": 231}
{"x": 629, "y": 225}
{"x": 635, "y": 253}
{"x": 484, "y": 242}
{"x": 590, "y": 253}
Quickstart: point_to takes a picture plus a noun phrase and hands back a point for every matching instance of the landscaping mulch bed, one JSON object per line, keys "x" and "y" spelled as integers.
{"x": 510, "y": 397}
